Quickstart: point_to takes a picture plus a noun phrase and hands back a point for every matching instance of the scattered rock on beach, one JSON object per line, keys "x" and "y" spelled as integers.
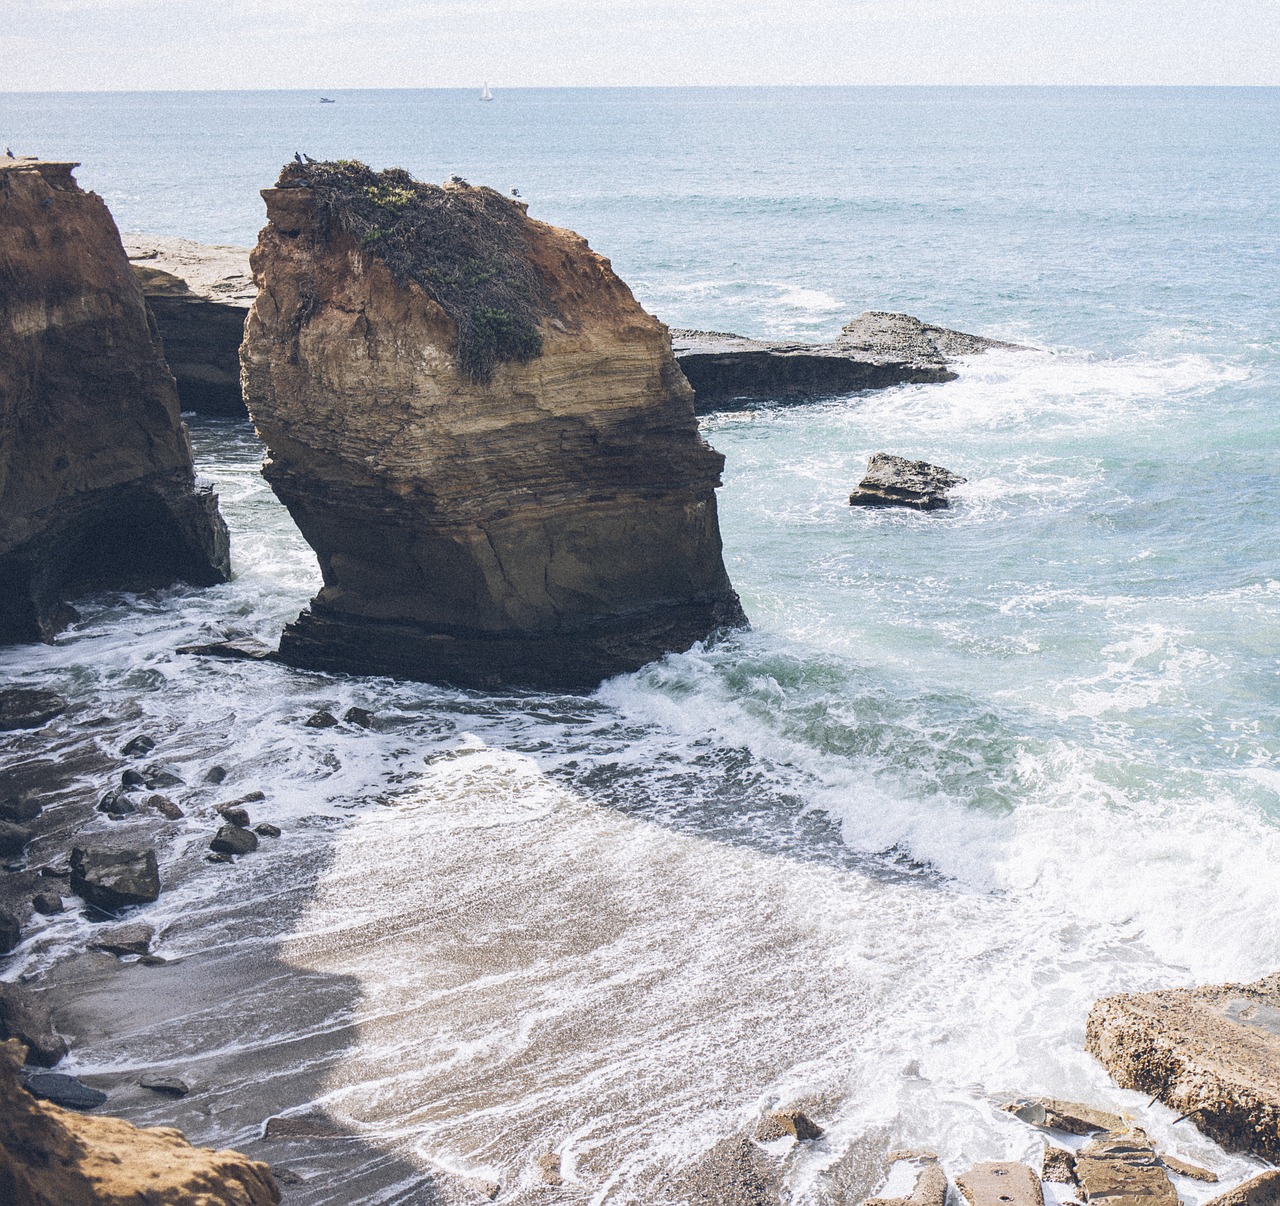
{"x": 24, "y": 1016}
{"x": 28, "y": 708}
{"x": 13, "y": 838}
{"x": 233, "y": 839}
{"x": 894, "y": 481}
{"x": 132, "y": 939}
{"x": 114, "y": 878}
{"x": 170, "y": 1086}
{"x": 1123, "y": 1169}
{"x": 234, "y": 815}
{"x": 1212, "y": 1054}
{"x": 1000, "y": 1182}
{"x": 63, "y": 1090}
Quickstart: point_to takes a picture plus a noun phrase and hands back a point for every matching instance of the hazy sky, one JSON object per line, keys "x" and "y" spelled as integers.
{"x": 93, "y": 44}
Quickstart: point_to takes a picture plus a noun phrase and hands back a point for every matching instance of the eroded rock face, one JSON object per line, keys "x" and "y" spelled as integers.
{"x": 97, "y": 488}
{"x": 549, "y": 524}
{"x": 50, "y": 1156}
{"x": 894, "y": 481}
{"x": 1210, "y": 1053}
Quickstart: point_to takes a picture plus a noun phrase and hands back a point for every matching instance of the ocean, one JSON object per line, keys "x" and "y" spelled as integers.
{"x": 966, "y": 773}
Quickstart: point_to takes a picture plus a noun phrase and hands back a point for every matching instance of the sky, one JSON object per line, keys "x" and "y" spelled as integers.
{"x": 58, "y": 45}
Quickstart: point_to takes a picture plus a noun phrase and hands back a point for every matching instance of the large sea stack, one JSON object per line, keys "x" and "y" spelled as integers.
{"x": 481, "y": 433}
{"x": 97, "y": 488}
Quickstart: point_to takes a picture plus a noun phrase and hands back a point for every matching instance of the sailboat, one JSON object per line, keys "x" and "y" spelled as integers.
{"x": 485, "y": 94}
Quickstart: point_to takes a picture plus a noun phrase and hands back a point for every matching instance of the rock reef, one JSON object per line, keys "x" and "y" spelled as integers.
{"x": 50, "y": 1156}
{"x": 1212, "y": 1054}
{"x": 97, "y": 487}
{"x": 200, "y": 296}
{"x": 483, "y": 436}
{"x": 874, "y": 351}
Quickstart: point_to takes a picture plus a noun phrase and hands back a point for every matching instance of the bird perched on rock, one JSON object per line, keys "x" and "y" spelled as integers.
{"x": 515, "y": 192}
{"x": 456, "y": 180}
{"x": 10, "y": 153}
{"x": 297, "y": 158}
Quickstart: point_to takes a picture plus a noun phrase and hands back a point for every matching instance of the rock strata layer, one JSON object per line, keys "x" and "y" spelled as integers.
{"x": 547, "y": 519}
{"x": 200, "y": 296}
{"x": 1212, "y": 1054}
{"x": 52, "y": 1157}
{"x": 97, "y": 488}
{"x": 874, "y": 351}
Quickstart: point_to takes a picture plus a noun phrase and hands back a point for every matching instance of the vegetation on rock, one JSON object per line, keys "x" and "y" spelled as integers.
{"x": 466, "y": 247}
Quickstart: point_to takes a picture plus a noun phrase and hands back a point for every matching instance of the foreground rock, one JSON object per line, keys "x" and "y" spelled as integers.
{"x": 894, "y": 481}
{"x": 97, "y": 488}
{"x": 874, "y": 351}
{"x": 200, "y": 296}
{"x": 52, "y": 1157}
{"x": 529, "y": 501}
{"x": 114, "y": 879}
{"x": 1122, "y": 1169}
{"x": 999, "y": 1183}
{"x": 1212, "y": 1054}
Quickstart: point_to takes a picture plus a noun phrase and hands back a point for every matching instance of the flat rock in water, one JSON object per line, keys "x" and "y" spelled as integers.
{"x": 1210, "y": 1053}
{"x": 999, "y": 1183}
{"x": 65, "y": 1091}
{"x": 894, "y": 481}
{"x": 930, "y": 1189}
{"x": 19, "y": 809}
{"x": 132, "y": 939}
{"x": 13, "y": 839}
{"x": 306, "y": 1126}
{"x": 1183, "y": 1169}
{"x": 233, "y": 839}
{"x": 1070, "y": 1117}
{"x": 239, "y": 649}
{"x": 112, "y": 879}
{"x": 171, "y": 1086}
{"x": 1262, "y": 1190}
{"x": 28, "y": 708}
{"x": 1123, "y": 1170}
{"x": 24, "y": 1016}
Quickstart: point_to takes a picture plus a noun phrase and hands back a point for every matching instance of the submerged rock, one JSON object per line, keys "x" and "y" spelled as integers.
{"x": 113, "y": 879}
{"x": 894, "y": 481}
{"x": 1000, "y": 1182}
{"x": 1212, "y": 1054}
{"x": 529, "y": 502}
{"x": 51, "y": 1157}
{"x": 321, "y": 720}
{"x": 874, "y": 351}
{"x": 200, "y": 295}
{"x": 97, "y": 487}
{"x": 22, "y": 707}
{"x": 136, "y": 747}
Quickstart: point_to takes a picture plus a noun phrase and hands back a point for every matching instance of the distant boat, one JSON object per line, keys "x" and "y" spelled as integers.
{"x": 485, "y": 94}
{"x": 324, "y": 100}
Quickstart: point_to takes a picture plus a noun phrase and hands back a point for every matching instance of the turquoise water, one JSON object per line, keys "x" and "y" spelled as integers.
{"x": 966, "y": 773}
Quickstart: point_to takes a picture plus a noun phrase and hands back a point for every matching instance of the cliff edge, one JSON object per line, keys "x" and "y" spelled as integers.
{"x": 97, "y": 487}
{"x": 481, "y": 433}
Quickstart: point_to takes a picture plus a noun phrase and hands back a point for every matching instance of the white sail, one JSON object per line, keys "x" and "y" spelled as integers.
{"x": 485, "y": 93}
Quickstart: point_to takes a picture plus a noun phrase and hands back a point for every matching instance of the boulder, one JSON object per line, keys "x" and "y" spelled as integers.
{"x": 200, "y": 295}
{"x": 117, "y": 804}
{"x": 97, "y": 486}
{"x": 132, "y": 939}
{"x": 157, "y": 776}
{"x": 131, "y": 779}
{"x": 48, "y": 904}
{"x": 530, "y": 502}
{"x": 138, "y": 746}
{"x": 215, "y": 775}
{"x": 52, "y": 1157}
{"x": 165, "y": 807}
{"x": 1122, "y": 1169}
{"x": 233, "y": 839}
{"x": 111, "y": 879}
{"x": 362, "y": 718}
{"x": 13, "y": 839}
{"x": 266, "y": 829}
{"x": 18, "y": 809}
{"x": 779, "y": 1123}
{"x": 1262, "y": 1190}
{"x": 321, "y": 720}
{"x": 930, "y": 1188}
{"x": 24, "y": 1016}
{"x": 1212, "y": 1054}
{"x": 20, "y": 707}
{"x": 169, "y": 1086}
{"x": 894, "y": 481}
{"x": 874, "y": 351}
{"x": 1000, "y": 1182}
{"x": 234, "y": 814}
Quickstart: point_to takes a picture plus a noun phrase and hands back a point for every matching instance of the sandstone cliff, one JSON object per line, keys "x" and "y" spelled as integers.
{"x": 483, "y": 436}
{"x": 97, "y": 487}
{"x": 55, "y": 1157}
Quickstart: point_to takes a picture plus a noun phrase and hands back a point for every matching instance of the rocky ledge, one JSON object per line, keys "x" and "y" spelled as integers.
{"x": 97, "y": 487}
{"x": 50, "y": 1156}
{"x": 200, "y": 296}
{"x": 876, "y": 350}
{"x": 1212, "y": 1054}
{"x": 483, "y": 436}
